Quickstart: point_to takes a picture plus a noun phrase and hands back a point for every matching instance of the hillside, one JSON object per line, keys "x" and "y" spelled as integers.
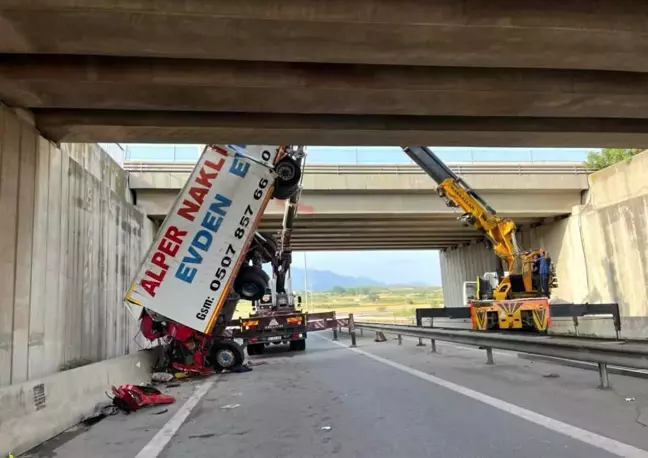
{"x": 324, "y": 280}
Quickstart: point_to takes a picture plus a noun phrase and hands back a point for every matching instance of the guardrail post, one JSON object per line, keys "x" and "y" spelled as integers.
{"x": 400, "y": 339}
{"x": 575, "y": 320}
{"x": 603, "y": 376}
{"x": 432, "y": 346}
{"x": 420, "y": 344}
{"x": 335, "y": 334}
{"x": 361, "y": 332}
{"x": 489, "y": 355}
{"x": 352, "y": 330}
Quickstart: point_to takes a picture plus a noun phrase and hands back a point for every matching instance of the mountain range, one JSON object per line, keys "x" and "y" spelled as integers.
{"x": 324, "y": 280}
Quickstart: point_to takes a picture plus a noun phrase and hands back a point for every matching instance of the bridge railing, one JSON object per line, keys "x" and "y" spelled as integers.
{"x": 352, "y": 155}
{"x": 485, "y": 168}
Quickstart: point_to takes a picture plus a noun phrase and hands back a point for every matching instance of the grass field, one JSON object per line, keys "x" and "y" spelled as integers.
{"x": 390, "y": 303}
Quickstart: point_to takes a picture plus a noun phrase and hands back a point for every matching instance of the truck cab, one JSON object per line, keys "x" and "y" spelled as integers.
{"x": 276, "y": 318}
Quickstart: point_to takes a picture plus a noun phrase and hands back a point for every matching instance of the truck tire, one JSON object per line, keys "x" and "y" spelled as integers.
{"x": 283, "y": 192}
{"x": 288, "y": 176}
{"x": 226, "y": 354}
{"x": 251, "y": 283}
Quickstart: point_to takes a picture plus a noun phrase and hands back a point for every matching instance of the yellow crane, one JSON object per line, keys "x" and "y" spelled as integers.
{"x": 515, "y": 303}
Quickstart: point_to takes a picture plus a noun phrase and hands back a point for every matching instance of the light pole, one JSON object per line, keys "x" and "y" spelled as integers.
{"x": 306, "y": 282}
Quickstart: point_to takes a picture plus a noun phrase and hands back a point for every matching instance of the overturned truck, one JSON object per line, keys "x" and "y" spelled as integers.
{"x": 207, "y": 254}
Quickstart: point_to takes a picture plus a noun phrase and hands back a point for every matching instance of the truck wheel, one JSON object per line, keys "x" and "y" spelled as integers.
{"x": 251, "y": 283}
{"x": 283, "y": 192}
{"x": 301, "y": 345}
{"x": 226, "y": 355}
{"x": 288, "y": 176}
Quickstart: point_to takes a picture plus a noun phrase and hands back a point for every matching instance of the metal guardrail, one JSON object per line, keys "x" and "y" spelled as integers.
{"x": 556, "y": 311}
{"x": 600, "y": 351}
{"x": 502, "y": 168}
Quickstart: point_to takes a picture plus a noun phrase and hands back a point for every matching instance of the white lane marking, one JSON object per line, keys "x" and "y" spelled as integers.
{"x": 163, "y": 436}
{"x": 602, "y": 442}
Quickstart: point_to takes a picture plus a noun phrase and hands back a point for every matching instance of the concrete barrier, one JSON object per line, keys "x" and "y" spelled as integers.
{"x": 37, "y": 410}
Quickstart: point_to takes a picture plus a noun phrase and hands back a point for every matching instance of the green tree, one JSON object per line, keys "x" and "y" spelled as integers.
{"x": 338, "y": 290}
{"x": 609, "y": 156}
{"x": 373, "y": 297}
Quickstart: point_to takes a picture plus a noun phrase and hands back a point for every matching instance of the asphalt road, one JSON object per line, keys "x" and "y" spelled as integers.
{"x": 332, "y": 402}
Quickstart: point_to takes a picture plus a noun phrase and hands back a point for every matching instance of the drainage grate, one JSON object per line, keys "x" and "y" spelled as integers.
{"x": 39, "y": 396}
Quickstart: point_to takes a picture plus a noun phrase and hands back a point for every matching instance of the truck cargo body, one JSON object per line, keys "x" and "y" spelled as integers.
{"x": 189, "y": 270}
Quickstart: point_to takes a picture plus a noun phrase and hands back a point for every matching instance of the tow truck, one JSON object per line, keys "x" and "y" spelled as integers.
{"x": 208, "y": 255}
{"x": 508, "y": 300}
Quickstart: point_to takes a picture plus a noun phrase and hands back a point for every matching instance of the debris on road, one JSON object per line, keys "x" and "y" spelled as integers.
{"x": 101, "y": 410}
{"x": 202, "y": 436}
{"x": 160, "y": 412}
{"x": 629, "y": 399}
{"x": 551, "y": 375}
{"x": 231, "y": 406}
{"x": 129, "y": 398}
{"x": 162, "y": 377}
{"x": 326, "y": 428}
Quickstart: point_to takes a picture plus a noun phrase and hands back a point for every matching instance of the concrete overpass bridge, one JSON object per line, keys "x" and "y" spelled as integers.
{"x": 355, "y": 207}
{"x": 366, "y": 72}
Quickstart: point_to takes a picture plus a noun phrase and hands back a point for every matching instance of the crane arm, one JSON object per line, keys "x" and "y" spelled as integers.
{"x": 281, "y": 263}
{"x": 477, "y": 213}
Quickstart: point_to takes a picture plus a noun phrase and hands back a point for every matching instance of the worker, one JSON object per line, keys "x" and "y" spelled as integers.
{"x": 544, "y": 268}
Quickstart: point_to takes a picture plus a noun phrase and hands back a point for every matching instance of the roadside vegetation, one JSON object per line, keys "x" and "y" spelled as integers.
{"x": 384, "y": 303}
{"x": 610, "y": 156}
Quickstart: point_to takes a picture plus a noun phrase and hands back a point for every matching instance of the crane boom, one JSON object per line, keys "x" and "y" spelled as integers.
{"x": 477, "y": 213}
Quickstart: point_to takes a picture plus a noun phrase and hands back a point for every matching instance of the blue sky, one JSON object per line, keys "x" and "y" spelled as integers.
{"x": 386, "y": 266}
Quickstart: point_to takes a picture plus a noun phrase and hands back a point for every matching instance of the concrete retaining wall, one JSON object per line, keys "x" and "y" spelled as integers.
{"x": 69, "y": 243}
{"x": 464, "y": 264}
{"x": 600, "y": 251}
{"x": 39, "y": 409}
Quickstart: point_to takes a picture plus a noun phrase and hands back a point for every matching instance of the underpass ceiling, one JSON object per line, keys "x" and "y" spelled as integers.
{"x": 376, "y": 232}
{"x": 366, "y": 72}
